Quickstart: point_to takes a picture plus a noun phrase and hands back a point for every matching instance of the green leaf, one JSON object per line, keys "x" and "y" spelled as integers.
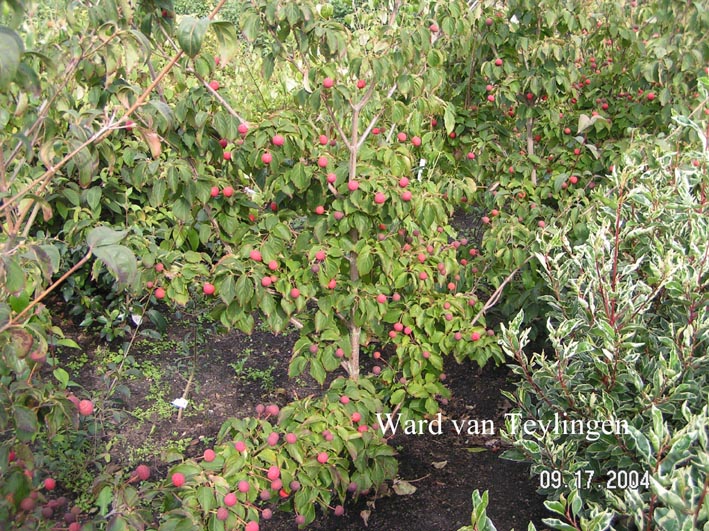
{"x": 226, "y": 38}
{"x": 62, "y": 376}
{"x": 12, "y": 49}
{"x": 25, "y": 423}
{"x": 104, "y": 500}
{"x": 190, "y": 34}
{"x": 206, "y": 498}
{"x": 14, "y": 276}
{"x": 120, "y": 261}
{"x": 449, "y": 117}
{"x": 101, "y": 236}
{"x": 364, "y": 261}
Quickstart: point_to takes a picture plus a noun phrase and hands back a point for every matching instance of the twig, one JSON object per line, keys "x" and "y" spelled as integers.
{"x": 492, "y": 300}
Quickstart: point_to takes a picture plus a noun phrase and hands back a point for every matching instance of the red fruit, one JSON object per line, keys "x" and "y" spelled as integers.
{"x": 272, "y": 439}
{"x": 352, "y": 186}
{"x": 278, "y": 140}
{"x": 361, "y": 83}
{"x": 222, "y": 513}
{"x": 323, "y": 140}
{"x": 243, "y": 486}
{"x": 178, "y": 479}
{"x": 403, "y": 182}
{"x": 401, "y": 137}
{"x": 650, "y": 96}
{"x": 380, "y": 198}
{"x": 498, "y": 62}
{"x": 475, "y": 336}
{"x": 322, "y": 162}
{"x": 75, "y": 526}
{"x": 376, "y": 131}
{"x": 381, "y": 298}
{"x": 214, "y": 85}
{"x": 266, "y": 158}
{"x": 406, "y": 196}
{"x": 273, "y": 410}
{"x": 143, "y": 472}
{"x": 485, "y": 220}
{"x": 490, "y": 98}
{"x": 240, "y": 446}
{"x": 396, "y": 297}
{"x": 434, "y": 28}
{"x": 273, "y": 265}
{"x": 252, "y": 525}
{"x": 573, "y": 179}
{"x": 567, "y": 131}
{"x": 266, "y": 514}
{"x": 356, "y": 416}
{"x": 243, "y": 128}
{"x": 209, "y": 455}
{"x": 266, "y": 281}
{"x": 332, "y": 284}
{"x": 228, "y": 191}
{"x": 214, "y": 192}
{"x": 227, "y": 155}
{"x": 471, "y": 155}
{"x": 230, "y": 499}
{"x": 319, "y": 210}
{"x": 331, "y": 178}
{"x": 86, "y": 407}
{"x": 488, "y": 21}
{"x": 291, "y": 438}
{"x": 223, "y": 142}
{"x": 328, "y": 82}
{"x": 50, "y": 483}
{"x": 208, "y": 288}
{"x": 274, "y": 206}
{"x": 376, "y": 370}
{"x": 339, "y": 510}
{"x": 320, "y": 255}
{"x": 159, "y": 267}
{"x": 344, "y": 399}
{"x": 255, "y": 254}
{"x": 416, "y": 141}
{"x": 451, "y": 134}
{"x": 339, "y": 353}
{"x": 294, "y": 293}
{"x": 322, "y": 458}
{"x": 541, "y": 223}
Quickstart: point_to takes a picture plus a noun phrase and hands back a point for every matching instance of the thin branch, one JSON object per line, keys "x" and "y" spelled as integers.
{"x": 342, "y": 134}
{"x": 373, "y": 121}
{"x": 492, "y": 300}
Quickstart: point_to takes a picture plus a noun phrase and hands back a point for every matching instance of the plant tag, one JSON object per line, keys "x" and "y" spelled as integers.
{"x": 180, "y": 403}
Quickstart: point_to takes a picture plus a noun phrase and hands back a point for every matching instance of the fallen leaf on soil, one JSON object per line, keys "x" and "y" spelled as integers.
{"x": 476, "y": 449}
{"x": 403, "y": 488}
{"x": 365, "y": 516}
{"x": 439, "y": 464}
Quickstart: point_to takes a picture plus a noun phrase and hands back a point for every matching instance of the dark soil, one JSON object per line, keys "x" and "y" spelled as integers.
{"x": 445, "y": 468}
